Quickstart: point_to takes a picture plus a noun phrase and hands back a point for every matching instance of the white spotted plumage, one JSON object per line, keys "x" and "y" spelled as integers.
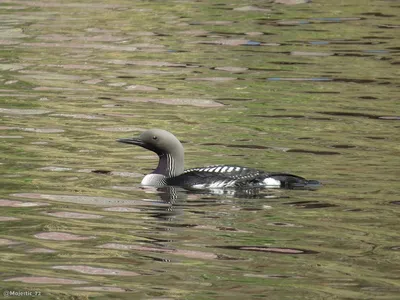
{"x": 230, "y": 176}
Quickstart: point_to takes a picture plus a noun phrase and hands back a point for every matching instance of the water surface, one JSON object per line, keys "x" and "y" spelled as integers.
{"x": 310, "y": 89}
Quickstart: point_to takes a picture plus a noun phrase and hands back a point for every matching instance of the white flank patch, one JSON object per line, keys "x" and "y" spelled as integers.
{"x": 152, "y": 179}
{"x": 271, "y": 182}
{"x": 224, "y": 169}
{"x": 237, "y": 169}
{"x": 211, "y": 170}
{"x": 217, "y": 169}
{"x": 230, "y": 169}
{"x": 199, "y": 186}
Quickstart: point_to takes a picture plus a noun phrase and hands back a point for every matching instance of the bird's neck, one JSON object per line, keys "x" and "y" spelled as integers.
{"x": 170, "y": 165}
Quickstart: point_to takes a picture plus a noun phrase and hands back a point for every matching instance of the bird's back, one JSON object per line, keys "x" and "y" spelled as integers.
{"x": 236, "y": 177}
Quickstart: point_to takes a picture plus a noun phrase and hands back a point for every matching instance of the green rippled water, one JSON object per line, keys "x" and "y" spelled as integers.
{"x": 310, "y": 89}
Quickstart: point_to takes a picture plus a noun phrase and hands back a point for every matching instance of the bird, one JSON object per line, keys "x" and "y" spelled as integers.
{"x": 170, "y": 169}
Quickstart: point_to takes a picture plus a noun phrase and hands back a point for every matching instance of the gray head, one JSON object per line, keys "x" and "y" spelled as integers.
{"x": 167, "y": 147}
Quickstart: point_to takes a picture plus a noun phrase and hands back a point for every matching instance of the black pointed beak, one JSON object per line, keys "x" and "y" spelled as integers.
{"x": 132, "y": 141}
{"x": 138, "y": 142}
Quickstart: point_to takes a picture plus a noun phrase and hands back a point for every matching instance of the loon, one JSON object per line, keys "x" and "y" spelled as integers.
{"x": 170, "y": 170}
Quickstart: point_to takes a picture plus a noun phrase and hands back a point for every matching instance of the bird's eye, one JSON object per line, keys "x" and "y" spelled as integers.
{"x": 155, "y": 137}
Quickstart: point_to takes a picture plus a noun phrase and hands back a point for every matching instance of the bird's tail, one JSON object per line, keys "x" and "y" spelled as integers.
{"x": 312, "y": 185}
